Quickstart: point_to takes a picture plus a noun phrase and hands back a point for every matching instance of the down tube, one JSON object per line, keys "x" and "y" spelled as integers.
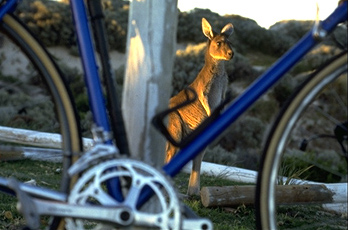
{"x": 244, "y": 101}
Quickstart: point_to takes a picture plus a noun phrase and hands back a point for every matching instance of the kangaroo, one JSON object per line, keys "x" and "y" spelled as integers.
{"x": 210, "y": 86}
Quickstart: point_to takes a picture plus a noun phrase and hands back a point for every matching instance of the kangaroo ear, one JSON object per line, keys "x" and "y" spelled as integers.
{"x": 206, "y": 28}
{"x": 228, "y": 30}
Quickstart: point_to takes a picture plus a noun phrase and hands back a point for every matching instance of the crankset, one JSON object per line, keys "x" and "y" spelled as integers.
{"x": 145, "y": 197}
{"x": 134, "y": 179}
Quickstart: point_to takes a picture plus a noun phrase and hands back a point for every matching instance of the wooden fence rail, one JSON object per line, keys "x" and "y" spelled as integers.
{"x": 45, "y": 146}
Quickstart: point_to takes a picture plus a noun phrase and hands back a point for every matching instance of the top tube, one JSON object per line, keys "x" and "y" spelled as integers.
{"x": 338, "y": 16}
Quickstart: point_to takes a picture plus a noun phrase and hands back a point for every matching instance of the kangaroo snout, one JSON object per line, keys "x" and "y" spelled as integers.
{"x": 230, "y": 54}
{"x": 226, "y": 54}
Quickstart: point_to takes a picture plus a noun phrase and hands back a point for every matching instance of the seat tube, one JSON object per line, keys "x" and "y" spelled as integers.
{"x": 92, "y": 79}
{"x": 94, "y": 89}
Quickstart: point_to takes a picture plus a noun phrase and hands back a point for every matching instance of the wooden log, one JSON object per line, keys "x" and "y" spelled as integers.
{"x": 285, "y": 194}
{"x": 36, "y": 138}
{"x": 249, "y": 176}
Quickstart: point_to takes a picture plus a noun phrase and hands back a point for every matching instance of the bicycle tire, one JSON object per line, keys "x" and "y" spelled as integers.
{"x": 16, "y": 32}
{"x": 266, "y": 216}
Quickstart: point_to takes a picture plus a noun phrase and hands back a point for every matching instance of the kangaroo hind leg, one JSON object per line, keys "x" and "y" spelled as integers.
{"x": 194, "y": 182}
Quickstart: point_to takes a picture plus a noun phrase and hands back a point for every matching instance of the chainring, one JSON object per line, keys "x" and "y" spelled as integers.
{"x": 135, "y": 179}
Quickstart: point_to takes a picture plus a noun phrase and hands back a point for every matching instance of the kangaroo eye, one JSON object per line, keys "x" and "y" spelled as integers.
{"x": 218, "y": 43}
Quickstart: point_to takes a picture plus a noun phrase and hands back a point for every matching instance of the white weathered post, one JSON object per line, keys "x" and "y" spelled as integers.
{"x": 151, "y": 44}
{"x": 150, "y": 56}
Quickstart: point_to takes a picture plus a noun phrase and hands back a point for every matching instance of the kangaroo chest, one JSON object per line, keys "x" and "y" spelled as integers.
{"x": 211, "y": 87}
{"x": 215, "y": 90}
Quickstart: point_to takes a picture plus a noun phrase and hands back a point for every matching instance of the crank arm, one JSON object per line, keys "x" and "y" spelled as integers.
{"x": 192, "y": 221}
{"x": 151, "y": 220}
{"x": 199, "y": 224}
{"x": 122, "y": 216}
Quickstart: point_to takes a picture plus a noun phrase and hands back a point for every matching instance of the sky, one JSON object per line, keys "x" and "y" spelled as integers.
{"x": 264, "y": 12}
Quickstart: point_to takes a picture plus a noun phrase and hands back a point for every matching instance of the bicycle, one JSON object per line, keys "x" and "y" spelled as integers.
{"x": 101, "y": 168}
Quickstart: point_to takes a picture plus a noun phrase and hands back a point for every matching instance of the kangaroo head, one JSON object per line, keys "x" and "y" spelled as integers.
{"x": 220, "y": 47}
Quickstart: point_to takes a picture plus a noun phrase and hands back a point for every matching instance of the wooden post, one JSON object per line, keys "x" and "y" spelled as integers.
{"x": 150, "y": 56}
{"x": 285, "y": 194}
{"x": 147, "y": 86}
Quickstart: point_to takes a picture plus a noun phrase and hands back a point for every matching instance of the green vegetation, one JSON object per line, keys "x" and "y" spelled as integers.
{"x": 45, "y": 174}
{"x": 24, "y": 102}
{"x": 51, "y": 21}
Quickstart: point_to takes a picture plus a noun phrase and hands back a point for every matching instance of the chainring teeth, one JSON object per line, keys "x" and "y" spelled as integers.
{"x": 92, "y": 186}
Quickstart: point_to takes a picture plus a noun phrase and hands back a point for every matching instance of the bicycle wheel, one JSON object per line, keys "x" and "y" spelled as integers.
{"x": 305, "y": 131}
{"x": 33, "y": 96}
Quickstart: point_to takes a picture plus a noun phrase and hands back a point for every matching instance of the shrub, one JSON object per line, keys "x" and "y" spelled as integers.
{"x": 315, "y": 58}
{"x": 264, "y": 109}
{"x": 189, "y": 27}
{"x": 240, "y": 69}
{"x": 219, "y": 155}
{"x": 338, "y": 38}
{"x": 187, "y": 65}
{"x": 247, "y": 132}
{"x": 49, "y": 20}
{"x": 251, "y": 36}
{"x": 21, "y": 106}
{"x": 283, "y": 89}
{"x": 327, "y": 167}
{"x": 116, "y": 23}
{"x": 292, "y": 29}
{"x": 247, "y": 157}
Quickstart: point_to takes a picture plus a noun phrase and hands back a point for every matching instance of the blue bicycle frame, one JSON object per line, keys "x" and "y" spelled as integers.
{"x": 92, "y": 78}
{"x": 227, "y": 117}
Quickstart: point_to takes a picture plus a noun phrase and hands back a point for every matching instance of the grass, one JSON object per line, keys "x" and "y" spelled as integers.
{"x": 45, "y": 174}
{"x": 232, "y": 218}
